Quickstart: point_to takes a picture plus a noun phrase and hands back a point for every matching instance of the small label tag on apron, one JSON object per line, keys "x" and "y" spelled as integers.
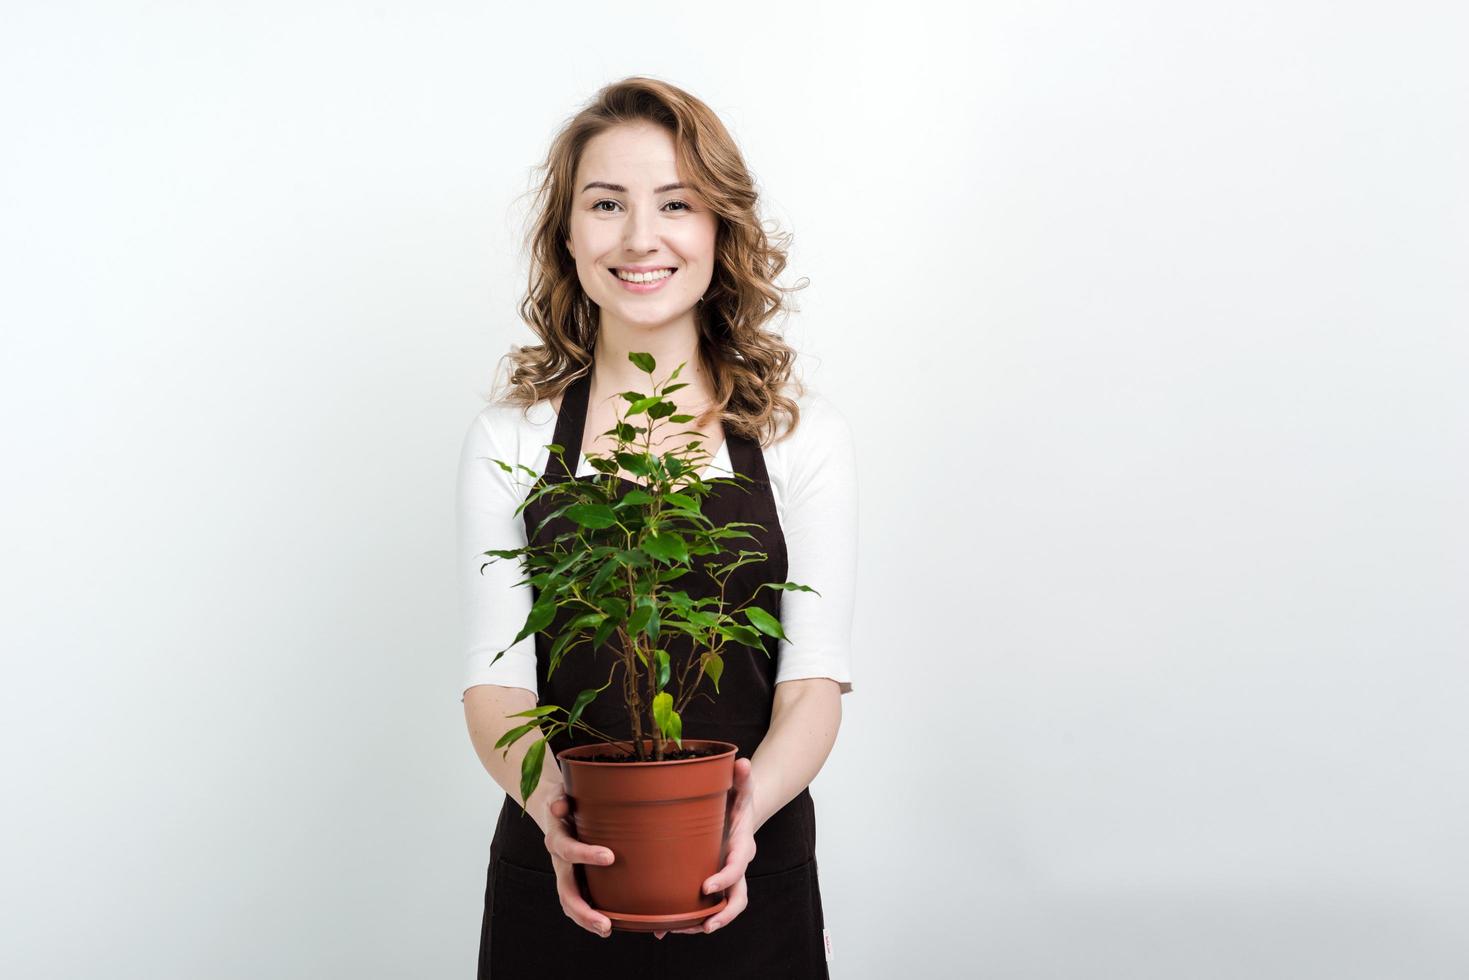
{"x": 826, "y": 937}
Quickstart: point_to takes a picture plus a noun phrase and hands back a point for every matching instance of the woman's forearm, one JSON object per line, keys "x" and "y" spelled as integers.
{"x": 485, "y": 710}
{"x": 803, "y": 729}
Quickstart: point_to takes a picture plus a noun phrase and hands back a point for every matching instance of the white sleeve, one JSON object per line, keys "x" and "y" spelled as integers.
{"x": 493, "y": 606}
{"x": 820, "y": 527}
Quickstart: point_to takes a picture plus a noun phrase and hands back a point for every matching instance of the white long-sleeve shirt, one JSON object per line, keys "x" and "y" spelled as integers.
{"x": 813, "y": 476}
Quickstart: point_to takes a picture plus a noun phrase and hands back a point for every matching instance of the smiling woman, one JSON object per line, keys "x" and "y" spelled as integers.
{"x": 643, "y": 244}
{"x": 647, "y": 238}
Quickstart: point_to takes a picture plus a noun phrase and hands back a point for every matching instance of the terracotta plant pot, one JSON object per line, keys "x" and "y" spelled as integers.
{"x": 663, "y": 822}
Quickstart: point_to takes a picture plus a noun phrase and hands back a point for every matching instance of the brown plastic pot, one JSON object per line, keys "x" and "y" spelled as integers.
{"x": 664, "y": 823}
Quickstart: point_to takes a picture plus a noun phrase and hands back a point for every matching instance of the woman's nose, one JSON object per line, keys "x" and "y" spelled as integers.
{"x": 639, "y": 234}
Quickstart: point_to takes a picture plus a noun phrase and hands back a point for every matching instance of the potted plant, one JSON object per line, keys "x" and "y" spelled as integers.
{"x": 658, "y": 801}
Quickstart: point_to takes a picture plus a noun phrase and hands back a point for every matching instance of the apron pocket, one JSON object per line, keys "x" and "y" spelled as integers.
{"x": 778, "y": 934}
{"x": 531, "y": 934}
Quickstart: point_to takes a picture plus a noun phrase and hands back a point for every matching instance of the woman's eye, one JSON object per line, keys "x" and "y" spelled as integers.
{"x": 598, "y": 205}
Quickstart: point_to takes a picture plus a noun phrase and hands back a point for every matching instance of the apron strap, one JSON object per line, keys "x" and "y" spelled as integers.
{"x": 570, "y": 423}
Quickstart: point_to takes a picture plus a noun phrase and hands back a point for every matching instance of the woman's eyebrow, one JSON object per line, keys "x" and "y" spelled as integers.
{"x": 623, "y": 190}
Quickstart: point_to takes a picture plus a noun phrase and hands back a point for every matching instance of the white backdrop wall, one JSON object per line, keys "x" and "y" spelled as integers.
{"x": 1149, "y": 319}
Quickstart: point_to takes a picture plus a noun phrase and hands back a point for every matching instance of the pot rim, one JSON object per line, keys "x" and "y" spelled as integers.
{"x": 566, "y": 754}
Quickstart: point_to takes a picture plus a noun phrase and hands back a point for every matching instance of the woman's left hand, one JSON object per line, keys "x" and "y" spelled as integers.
{"x": 740, "y": 844}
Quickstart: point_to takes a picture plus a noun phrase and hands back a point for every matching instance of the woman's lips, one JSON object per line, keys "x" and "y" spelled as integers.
{"x": 642, "y": 287}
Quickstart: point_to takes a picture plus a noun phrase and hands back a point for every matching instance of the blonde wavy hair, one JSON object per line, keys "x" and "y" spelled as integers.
{"x": 749, "y": 366}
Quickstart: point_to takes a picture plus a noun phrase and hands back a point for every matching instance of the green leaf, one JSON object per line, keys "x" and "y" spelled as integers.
{"x": 530, "y": 770}
{"x": 639, "y": 618}
{"x": 515, "y": 733}
{"x": 563, "y": 640}
{"x": 714, "y": 668}
{"x": 582, "y": 700}
{"x": 643, "y": 405}
{"x": 788, "y": 586}
{"x": 682, "y": 500}
{"x": 607, "y": 570}
{"x": 629, "y": 499}
{"x": 699, "y": 617}
{"x": 603, "y": 632}
{"x": 540, "y": 617}
{"x": 539, "y": 712}
{"x": 664, "y": 668}
{"x": 669, "y": 723}
{"x": 584, "y": 621}
{"x": 592, "y": 515}
{"x": 614, "y": 606}
{"x": 764, "y": 622}
{"x": 743, "y": 635}
{"x": 634, "y": 463}
{"x": 669, "y": 546}
{"x": 643, "y": 360}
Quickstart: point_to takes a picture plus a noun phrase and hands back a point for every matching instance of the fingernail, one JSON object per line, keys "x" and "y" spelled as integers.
{"x": 708, "y": 889}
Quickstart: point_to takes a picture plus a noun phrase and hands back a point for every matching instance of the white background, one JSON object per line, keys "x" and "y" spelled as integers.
{"x": 1150, "y": 321}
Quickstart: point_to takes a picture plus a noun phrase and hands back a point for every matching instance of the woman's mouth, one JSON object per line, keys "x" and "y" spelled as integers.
{"x": 643, "y": 282}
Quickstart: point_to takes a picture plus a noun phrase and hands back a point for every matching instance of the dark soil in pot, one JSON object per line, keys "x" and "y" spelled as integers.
{"x": 669, "y": 755}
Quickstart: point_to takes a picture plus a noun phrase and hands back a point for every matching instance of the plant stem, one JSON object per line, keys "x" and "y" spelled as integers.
{"x": 630, "y": 692}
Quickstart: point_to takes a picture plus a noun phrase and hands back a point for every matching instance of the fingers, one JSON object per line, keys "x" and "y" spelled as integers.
{"x": 696, "y": 931}
{"x": 737, "y": 902}
{"x": 567, "y": 851}
{"x": 741, "y": 775}
{"x": 561, "y": 843}
{"x": 573, "y": 851}
{"x": 741, "y": 853}
{"x": 742, "y": 792}
{"x": 575, "y": 906}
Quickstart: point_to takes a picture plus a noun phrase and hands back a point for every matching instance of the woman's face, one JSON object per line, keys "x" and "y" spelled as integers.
{"x": 626, "y": 214}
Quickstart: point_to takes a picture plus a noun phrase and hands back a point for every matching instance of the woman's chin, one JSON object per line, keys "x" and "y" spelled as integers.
{"x": 650, "y": 314}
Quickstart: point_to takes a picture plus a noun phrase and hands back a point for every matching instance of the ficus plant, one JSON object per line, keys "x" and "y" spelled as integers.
{"x": 618, "y": 568}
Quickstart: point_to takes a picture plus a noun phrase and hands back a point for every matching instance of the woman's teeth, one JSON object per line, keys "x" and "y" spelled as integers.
{"x": 643, "y": 276}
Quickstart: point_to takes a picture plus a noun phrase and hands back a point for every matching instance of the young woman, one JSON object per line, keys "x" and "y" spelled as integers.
{"x": 646, "y": 238}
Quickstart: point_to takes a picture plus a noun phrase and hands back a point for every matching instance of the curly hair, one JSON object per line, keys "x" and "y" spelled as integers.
{"x": 749, "y": 366}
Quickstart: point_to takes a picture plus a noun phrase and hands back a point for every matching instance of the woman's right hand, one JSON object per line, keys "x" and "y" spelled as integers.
{"x": 566, "y": 851}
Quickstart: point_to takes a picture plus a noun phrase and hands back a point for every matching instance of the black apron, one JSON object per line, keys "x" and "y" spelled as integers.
{"x": 780, "y": 933}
